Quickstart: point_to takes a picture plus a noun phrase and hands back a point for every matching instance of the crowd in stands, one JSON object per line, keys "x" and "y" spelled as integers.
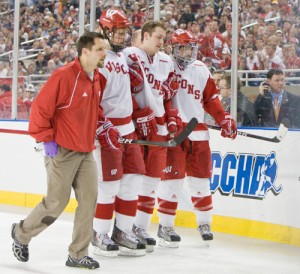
{"x": 269, "y": 31}
{"x": 52, "y": 26}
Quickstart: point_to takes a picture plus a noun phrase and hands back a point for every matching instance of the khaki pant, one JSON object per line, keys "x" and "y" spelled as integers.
{"x": 69, "y": 169}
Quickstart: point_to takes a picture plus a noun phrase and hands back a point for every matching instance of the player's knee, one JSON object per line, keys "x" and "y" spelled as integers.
{"x": 198, "y": 187}
{"x": 130, "y": 186}
{"x": 170, "y": 190}
{"x": 149, "y": 186}
{"x": 107, "y": 191}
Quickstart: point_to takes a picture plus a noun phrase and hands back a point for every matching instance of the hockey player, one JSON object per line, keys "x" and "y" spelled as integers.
{"x": 120, "y": 168}
{"x": 197, "y": 93}
{"x": 153, "y": 120}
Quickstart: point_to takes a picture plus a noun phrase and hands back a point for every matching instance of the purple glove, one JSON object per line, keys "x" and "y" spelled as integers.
{"x": 51, "y": 149}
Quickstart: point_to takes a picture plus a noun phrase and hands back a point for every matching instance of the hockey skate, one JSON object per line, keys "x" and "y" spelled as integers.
{"x": 168, "y": 237}
{"x": 104, "y": 246}
{"x": 145, "y": 238}
{"x": 85, "y": 262}
{"x": 20, "y": 251}
{"x": 129, "y": 244}
{"x": 205, "y": 233}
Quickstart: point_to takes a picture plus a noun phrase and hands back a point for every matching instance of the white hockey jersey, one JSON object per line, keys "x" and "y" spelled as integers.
{"x": 117, "y": 101}
{"x": 156, "y": 70}
{"x": 189, "y": 98}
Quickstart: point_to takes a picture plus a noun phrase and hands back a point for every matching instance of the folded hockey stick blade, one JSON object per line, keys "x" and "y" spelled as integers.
{"x": 172, "y": 143}
{"x": 279, "y": 136}
{"x": 283, "y": 129}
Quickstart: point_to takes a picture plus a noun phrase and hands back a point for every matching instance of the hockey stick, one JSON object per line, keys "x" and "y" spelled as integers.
{"x": 13, "y": 131}
{"x": 172, "y": 143}
{"x": 282, "y": 130}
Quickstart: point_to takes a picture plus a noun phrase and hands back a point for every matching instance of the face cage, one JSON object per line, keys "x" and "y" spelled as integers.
{"x": 118, "y": 47}
{"x": 184, "y": 55}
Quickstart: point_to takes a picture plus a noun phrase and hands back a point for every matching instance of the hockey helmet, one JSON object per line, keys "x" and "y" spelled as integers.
{"x": 110, "y": 21}
{"x": 113, "y": 18}
{"x": 185, "y": 47}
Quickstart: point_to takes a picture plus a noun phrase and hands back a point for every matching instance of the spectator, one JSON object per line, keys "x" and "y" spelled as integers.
{"x": 217, "y": 75}
{"x": 272, "y": 60}
{"x": 245, "y": 108}
{"x": 260, "y": 50}
{"x": 40, "y": 64}
{"x": 6, "y": 104}
{"x": 3, "y": 70}
{"x": 274, "y": 103}
{"x": 252, "y": 61}
{"x": 31, "y": 68}
{"x": 274, "y": 12}
{"x": 22, "y": 71}
{"x": 30, "y": 93}
{"x": 51, "y": 66}
{"x": 137, "y": 16}
{"x": 47, "y": 53}
{"x": 208, "y": 62}
{"x": 226, "y": 61}
{"x": 186, "y": 17}
{"x": 215, "y": 43}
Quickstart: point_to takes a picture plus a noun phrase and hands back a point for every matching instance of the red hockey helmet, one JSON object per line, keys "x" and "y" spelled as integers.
{"x": 183, "y": 37}
{"x": 113, "y": 18}
{"x": 185, "y": 47}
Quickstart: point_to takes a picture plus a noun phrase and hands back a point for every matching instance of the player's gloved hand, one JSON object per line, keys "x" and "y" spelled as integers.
{"x": 170, "y": 86}
{"x": 145, "y": 122}
{"x": 174, "y": 122}
{"x": 51, "y": 149}
{"x": 108, "y": 135}
{"x": 136, "y": 78}
{"x": 229, "y": 129}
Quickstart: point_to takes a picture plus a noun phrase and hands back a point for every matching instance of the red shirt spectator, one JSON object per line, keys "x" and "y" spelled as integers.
{"x": 6, "y": 103}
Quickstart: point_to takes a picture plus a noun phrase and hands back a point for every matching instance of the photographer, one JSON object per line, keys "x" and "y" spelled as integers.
{"x": 274, "y": 103}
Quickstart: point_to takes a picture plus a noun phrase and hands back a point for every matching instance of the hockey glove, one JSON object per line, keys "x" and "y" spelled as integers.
{"x": 174, "y": 122}
{"x": 229, "y": 129}
{"x": 108, "y": 135}
{"x": 170, "y": 86}
{"x": 51, "y": 149}
{"x": 136, "y": 78}
{"x": 145, "y": 122}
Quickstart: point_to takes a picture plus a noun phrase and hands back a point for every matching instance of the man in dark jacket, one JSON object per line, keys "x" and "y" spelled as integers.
{"x": 274, "y": 103}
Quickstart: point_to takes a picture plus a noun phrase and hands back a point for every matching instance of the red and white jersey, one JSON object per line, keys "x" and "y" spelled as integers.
{"x": 275, "y": 62}
{"x": 156, "y": 70}
{"x": 252, "y": 64}
{"x": 117, "y": 101}
{"x": 191, "y": 96}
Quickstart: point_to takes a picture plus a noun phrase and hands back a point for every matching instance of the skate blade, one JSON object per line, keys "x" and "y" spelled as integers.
{"x": 124, "y": 251}
{"x": 206, "y": 243}
{"x": 149, "y": 248}
{"x": 98, "y": 251}
{"x": 163, "y": 243}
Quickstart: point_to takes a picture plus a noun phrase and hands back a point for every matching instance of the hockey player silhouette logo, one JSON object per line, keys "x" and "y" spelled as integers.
{"x": 268, "y": 176}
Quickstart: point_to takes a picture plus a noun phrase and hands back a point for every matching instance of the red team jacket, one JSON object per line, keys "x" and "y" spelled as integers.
{"x": 67, "y": 108}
